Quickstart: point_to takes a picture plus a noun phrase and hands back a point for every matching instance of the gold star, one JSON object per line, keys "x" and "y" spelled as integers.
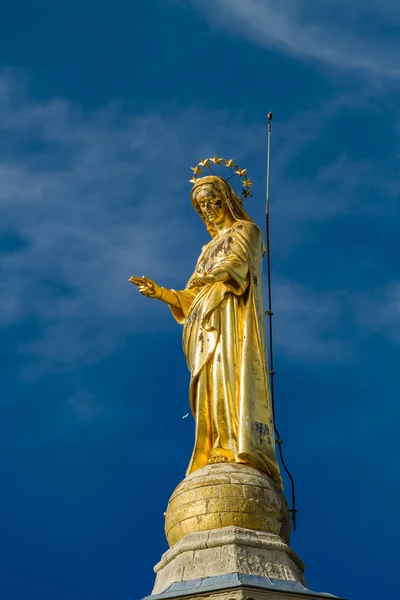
{"x": 193, "y": 180}
{"x": 241, "y": 172}
{"x": 230, "y": 163}
{"x": 246, "y": 193}
{"x": 196, "y": 170}
{"x": 247, "y": 182}
{"x": 204, "y": 162}
{"x": 216, "y": 160}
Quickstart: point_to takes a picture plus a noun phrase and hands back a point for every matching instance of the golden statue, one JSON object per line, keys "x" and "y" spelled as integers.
{"x": 222, "y": 313}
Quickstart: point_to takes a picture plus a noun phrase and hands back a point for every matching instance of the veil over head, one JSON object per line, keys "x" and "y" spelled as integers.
{"x": 232, "y": 201}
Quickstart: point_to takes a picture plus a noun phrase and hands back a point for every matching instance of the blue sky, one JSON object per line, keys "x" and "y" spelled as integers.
{"x": 104, "y": 106}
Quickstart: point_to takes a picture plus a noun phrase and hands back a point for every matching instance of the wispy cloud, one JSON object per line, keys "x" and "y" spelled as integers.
{"x": 360, "y": 35}
{"x": 314, "y": 326}
{"x": 86, "y": 200}
{"x": 308, "y": 323}
{"x": 306, "y": 192}
{"x": 379, "y": 311}
{"x": 84, "y": 406}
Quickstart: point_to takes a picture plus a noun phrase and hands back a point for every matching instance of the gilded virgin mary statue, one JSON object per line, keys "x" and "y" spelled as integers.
{"x": 221, "y": 309}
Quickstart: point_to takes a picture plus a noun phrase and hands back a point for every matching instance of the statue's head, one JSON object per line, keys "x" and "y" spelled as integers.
{"x": 212, "y": 197}
{"x": 210, "y": 200}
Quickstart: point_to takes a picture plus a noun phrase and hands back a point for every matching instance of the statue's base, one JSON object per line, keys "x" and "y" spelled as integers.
{"x": 236, "y": 586}
{"x": 228, "y": 550}
{"x": 228, "y": 526}
{"x": 230, "y": 563}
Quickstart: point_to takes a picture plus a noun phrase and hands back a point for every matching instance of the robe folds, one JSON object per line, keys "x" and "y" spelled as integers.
{"x": 224, "y": 345}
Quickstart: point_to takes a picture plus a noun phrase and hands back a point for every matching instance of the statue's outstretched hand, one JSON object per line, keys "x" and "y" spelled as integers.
{"x": 147, "y": 287}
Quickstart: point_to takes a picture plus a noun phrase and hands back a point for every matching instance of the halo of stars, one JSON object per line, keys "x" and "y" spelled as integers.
{"x": 203, "y": 164}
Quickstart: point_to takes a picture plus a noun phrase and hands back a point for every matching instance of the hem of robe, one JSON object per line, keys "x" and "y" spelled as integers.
{"x": 244, "y": 459}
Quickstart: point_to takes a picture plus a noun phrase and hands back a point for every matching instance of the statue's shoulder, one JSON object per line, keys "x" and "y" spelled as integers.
{"x": 247, "y": 228}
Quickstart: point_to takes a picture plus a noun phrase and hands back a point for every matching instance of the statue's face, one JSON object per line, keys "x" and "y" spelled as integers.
{"x": 211, "y": 203}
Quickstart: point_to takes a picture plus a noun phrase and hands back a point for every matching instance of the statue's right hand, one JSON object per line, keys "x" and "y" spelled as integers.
{"x": 147, "y": 287}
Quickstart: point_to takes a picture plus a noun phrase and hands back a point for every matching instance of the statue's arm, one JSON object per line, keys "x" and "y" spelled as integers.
{"x": 169, "y": 297}
{"x": 151, "y": 289}
{"x": 212, "y": 276}
{"x": 231, "y": 264}
{"x": 219, "y": 274}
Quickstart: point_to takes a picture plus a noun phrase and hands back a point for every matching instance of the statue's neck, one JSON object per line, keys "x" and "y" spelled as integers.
{"x": 224, "y": 225}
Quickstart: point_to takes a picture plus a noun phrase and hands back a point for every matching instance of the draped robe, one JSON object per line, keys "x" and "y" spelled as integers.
{"x": 224, "y": 345}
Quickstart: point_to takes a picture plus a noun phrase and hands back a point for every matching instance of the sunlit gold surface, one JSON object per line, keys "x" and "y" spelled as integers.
{"x": 223, "y": 495}
{"x": 221, "y": 309}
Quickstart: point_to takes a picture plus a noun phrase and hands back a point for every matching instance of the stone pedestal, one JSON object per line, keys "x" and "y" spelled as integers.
{"x": 224, "y": 495}
{"x": 228, "y": 526}
{"x": 224, "y": 551}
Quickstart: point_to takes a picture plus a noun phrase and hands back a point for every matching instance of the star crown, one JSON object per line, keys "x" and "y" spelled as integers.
{"x": 242, "y": 173}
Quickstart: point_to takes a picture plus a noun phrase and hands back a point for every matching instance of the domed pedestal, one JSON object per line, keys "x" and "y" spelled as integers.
{"x": 223, "y": 519}
{"x": 225, "y": 495}
{"x": 228, "y": 526}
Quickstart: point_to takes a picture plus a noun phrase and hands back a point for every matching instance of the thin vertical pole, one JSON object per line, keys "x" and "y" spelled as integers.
{"x": 268, "y": 232}
{"x": 269, "y": 312}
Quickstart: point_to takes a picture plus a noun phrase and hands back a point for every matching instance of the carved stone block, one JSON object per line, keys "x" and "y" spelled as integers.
{"x": 228, "y": 550}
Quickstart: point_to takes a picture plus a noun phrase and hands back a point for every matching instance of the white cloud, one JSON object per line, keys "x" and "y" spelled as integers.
{"x": 307, "y": 323}
{"x": 349, "y": 35}
{"x": 94, "y": 198}
{"x": 300, "y": 200}
{"x": 378, "y": 311}
{"x": 84, "y": 406}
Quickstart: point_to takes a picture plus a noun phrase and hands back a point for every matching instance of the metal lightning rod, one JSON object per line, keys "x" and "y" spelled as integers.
{"x": 270, "y": 314}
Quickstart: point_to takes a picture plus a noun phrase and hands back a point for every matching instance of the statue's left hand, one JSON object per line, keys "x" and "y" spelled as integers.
{"x": 200, "y": 281}
{"x": 147, "y": 287}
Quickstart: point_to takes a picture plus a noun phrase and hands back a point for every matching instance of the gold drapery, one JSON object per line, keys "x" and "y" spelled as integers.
{"x": 224, "y": 345}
